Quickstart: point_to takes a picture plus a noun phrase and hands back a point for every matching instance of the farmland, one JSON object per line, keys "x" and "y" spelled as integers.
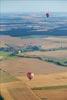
{"x": 45, "y": 57}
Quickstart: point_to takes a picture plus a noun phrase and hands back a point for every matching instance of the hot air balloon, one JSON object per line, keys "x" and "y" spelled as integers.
{"x": 30, "y": 75}
{"x": 47, "y": 15}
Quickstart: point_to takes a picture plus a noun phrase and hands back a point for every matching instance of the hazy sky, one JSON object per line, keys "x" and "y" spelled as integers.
{"x": 33, "y": 5}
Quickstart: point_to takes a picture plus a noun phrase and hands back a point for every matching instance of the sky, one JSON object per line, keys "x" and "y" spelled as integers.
{"x": 20, "y": 6}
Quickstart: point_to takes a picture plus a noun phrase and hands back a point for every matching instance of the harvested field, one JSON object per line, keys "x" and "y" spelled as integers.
{"x": 45, "y": 42}
{"x": 56, "y": 54}
{"x": 58, "y": 94}
{"x": 17, "y": 90}
{"x": 50, "y": 81}
{"x": 50, "y": 86}
{"x": 6, "y": 77}
{"x": 56, "y": 79}
{"x": 20, "y": 66}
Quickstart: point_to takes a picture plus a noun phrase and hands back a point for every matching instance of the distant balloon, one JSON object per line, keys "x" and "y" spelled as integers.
{"x": 30, "y": 75}
{"x": 47, "y": 15}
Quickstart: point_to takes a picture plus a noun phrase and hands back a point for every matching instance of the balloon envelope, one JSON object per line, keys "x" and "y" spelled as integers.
{"x": 30, "y": 75}
{"x": 47, "y": 14}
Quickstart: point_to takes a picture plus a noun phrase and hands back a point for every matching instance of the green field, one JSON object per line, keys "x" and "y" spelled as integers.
{"x": 58, "y": 61}
{"x": 6, "y": 55}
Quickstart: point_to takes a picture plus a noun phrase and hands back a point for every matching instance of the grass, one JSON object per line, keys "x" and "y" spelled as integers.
{"x": 2, "y": 53}
{"x": 50, "y": 87}
{"x": 6, "y": 77}
{"x": 6, "y": 55}
{"x": 62, "y": 62}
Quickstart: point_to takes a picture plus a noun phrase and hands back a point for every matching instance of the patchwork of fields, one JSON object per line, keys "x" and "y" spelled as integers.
{"x": 50, "y": 78}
